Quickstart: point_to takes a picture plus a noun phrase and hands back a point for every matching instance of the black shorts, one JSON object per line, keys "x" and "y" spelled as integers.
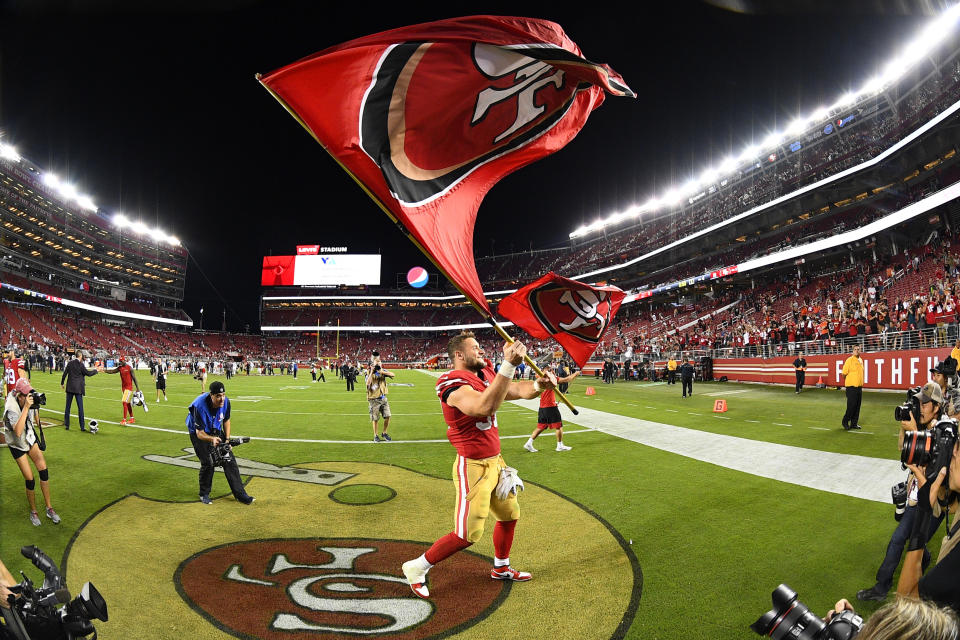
{"x": 548, "y": 415}
{"x": 17, "y": 453}
{"x": 162, "y": 384}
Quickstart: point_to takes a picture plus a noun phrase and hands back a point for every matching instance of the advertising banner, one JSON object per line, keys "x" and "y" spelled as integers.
{"x": 882, "y": 369}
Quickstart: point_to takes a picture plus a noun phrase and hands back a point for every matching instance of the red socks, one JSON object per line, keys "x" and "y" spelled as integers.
{"x": 447, "y": 546}
{"x": 503, "y": 537}
{"x": 127, "y": 406}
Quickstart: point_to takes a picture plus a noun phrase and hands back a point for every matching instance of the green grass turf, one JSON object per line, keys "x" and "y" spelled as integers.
{"x": 712, "y": 543}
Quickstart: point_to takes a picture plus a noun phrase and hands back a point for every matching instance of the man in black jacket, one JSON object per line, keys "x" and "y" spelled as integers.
{"x": 75, "y": 375}
{"x": 686, "y": 378}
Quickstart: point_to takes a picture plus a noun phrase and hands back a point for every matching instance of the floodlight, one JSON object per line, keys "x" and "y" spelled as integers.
{"x": 68, "y": 191}
{"x": 845, "y": 100}
{"x": 772, "y": 140}
{"x": 729, "y": 165}
{"x": 120, "y": 220}
{"x": 820, "y": 115}
{"x": 690, "y": 186}
{"x": 873, "y": 85}
{"x": 797, "y": 126}
{"x": 750, "y": 153}
{"x": 87, "y": 203}
{"x": 51, "y": 180}
{"x": 9, "y": 153}
{"x": 672, "y": 196}
{"x": 139, "y": 227}
{"x": 157, "y": 235}
{"x": 174, "y": 241}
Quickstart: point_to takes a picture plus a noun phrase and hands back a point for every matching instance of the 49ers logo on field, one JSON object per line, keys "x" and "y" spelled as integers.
{"x": 329, "y": 588}
{"x": 584, "y": 313}
{"x": 515, "y": 99}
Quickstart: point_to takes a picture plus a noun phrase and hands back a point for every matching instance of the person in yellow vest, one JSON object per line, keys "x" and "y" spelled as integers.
{"x": 853, "y": 383}
{"x": 955, "y": 353}
{"x": 672, "y": 370}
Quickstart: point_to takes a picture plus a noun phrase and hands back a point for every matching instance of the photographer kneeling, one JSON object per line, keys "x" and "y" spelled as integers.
{"x": 208, "y": 421}
{"x": 21, "y": 439}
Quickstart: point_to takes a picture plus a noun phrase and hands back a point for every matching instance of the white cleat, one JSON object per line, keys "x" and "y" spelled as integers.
{"x": 416, "y": 580}
{"x": 529, "y": 447}
{"x": 563, "y": 447}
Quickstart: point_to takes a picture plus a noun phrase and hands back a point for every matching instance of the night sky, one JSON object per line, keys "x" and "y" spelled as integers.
{"x": 156, "y": 113}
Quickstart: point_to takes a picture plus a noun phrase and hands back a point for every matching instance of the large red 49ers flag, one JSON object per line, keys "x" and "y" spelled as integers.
{"x": 573, "y": 313}
{"x": 428, "y": 118}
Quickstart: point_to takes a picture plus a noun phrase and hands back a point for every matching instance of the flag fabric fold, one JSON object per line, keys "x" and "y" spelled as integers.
{"x": 573, "y": 313}
{"x": 428, "y": 118}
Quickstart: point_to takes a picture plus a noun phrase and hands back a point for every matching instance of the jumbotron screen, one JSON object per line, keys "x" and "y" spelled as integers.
{"x": 317, "y": 270}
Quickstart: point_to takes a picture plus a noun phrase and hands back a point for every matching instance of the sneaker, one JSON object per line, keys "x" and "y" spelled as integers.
{"x": 529, "y": 447}
{"x": 386, "y": 437}
{"x": 35, "y": 518}
{"x": 131, "y": 421}
{"x": 856, "y": 426}
{"x": 875, "y": 593}
{"x": 124, "y": 422}
{"x": 246, "y": 500}
{"x": 509, "y": 573}
{"x": 416, "y": 580}
{"x": 53, "y": 515}
{"x": 205, "y": 499}
{"x": 563, "y": 447}
{"x": 376, "y": 438}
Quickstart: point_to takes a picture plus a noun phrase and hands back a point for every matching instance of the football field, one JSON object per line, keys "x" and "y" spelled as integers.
{"x": 665, "y": 520}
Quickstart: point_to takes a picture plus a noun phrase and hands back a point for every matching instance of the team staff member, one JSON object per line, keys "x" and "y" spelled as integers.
{"x": 686, "y": 377}
{"x": 127, "y": 380}
{"x": 955, "y": 353}
{"x": 800, "y": 365}
{"x": 853, "y": 383}
{"x": 208, "y": 421}
{"x": 75, "y": 374}
{"x": 160, "y": 371}
{"x": 470, "y": 395}
{"x": 21, "y": 440}
{"x": 671, "y": 371}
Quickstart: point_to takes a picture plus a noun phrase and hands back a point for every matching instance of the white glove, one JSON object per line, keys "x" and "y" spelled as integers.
{"x": 509, "y": 483}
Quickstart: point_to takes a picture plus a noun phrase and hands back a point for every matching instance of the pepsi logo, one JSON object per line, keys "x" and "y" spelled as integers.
{"x": 417, "y": 277}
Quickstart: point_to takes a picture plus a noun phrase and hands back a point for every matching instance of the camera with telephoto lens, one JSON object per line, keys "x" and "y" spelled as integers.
{"x": 898, "y": 493}
{"x": 35, "y": 612}
{"x": 909, "y": 408}
{"x": 791, "y": 619}
{"x": 223, "y": 452}
{"x": 38, "y": 398}
{"x": 932, "y": 448}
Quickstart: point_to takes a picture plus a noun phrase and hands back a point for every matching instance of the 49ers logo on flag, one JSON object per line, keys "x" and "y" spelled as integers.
{"x": 575, "y": 314}
{"x": 515, "y": 99}
{"x": 428, "y": 118}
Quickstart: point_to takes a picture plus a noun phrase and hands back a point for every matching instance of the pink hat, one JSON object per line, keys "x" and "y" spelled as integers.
{"x": 23, "y": 386}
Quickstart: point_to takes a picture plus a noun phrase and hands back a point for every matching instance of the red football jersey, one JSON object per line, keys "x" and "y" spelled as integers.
{"x": 126, "y": 379}
{"x": 471, "y": 437}
{"x": 11, "y": 372}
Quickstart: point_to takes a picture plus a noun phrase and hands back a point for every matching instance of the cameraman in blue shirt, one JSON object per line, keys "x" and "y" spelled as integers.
{"x": 208, "y": 421}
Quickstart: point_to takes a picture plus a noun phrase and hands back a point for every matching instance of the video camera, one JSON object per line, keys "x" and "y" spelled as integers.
{"x": 791, "y": 619}
{"x": 223, "y": 452}
{"x": 35, "y": 614}
{"x": 932, "y": 448}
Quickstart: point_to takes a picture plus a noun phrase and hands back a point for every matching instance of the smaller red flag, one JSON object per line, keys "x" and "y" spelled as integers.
{"x": 573, "y": 313}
